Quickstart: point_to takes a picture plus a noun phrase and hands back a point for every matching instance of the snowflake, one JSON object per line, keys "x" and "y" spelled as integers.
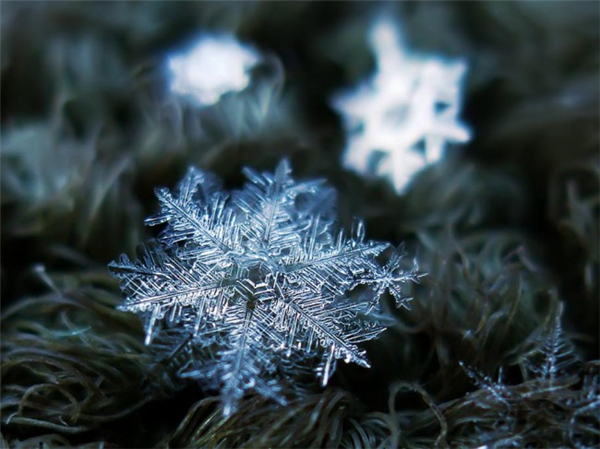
{"x": 400, "y": 120}
{"x": 557, "y": 392}
{"x": 259, "y": 281}
{"x": 214, "y": 66}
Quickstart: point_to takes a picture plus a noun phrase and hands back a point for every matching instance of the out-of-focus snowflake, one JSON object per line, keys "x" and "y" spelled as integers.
{"x": 215, "y": 65}
{"x": 401, "y": 119}
{"x": 257, "y": 283}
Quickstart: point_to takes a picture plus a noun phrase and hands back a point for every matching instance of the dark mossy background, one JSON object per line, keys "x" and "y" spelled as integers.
{"x": 506, "y": 227}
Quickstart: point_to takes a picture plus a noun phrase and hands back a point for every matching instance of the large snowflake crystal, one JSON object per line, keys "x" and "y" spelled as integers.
{"x": 257, "y": 283}
{"x": 400, "y": 120}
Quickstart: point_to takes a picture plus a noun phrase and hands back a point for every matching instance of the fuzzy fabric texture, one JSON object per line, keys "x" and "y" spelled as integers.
{"x": 501, "y": 345}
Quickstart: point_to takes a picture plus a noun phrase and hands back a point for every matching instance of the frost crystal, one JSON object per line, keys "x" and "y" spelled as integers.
{"x": 214, "y": 66}
{"x": 400, "y": 120}
{"x": 258, "y": 281}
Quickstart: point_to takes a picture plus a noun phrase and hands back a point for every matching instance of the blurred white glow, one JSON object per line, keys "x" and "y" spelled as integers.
{"x": 215, "y": 65}
{"x": 400, "y": 120}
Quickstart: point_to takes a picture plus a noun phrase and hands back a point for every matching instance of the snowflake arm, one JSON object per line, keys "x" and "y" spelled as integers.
{"x": 162, "y": 285}
{"x": 204, "y": 221}
{"x": 238, "y": 362}
{"x": 268, "y": 203}
{"x": 335, "y": 263}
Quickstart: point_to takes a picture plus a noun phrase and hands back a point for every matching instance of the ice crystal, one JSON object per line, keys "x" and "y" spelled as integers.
{"x": 552, "y": 357}
{"x": 401, "y": 119}
{"x": 258, "y": 281}
{"x": 215, "y": 65}
{"x": 553, "y": 354}
{"x": 557, "y": 398}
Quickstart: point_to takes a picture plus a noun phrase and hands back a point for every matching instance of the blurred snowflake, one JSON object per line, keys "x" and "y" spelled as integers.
{"x": 215, "y": 65}
{"x": 401, "y": 119}
{"x": 255, "y": 284}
